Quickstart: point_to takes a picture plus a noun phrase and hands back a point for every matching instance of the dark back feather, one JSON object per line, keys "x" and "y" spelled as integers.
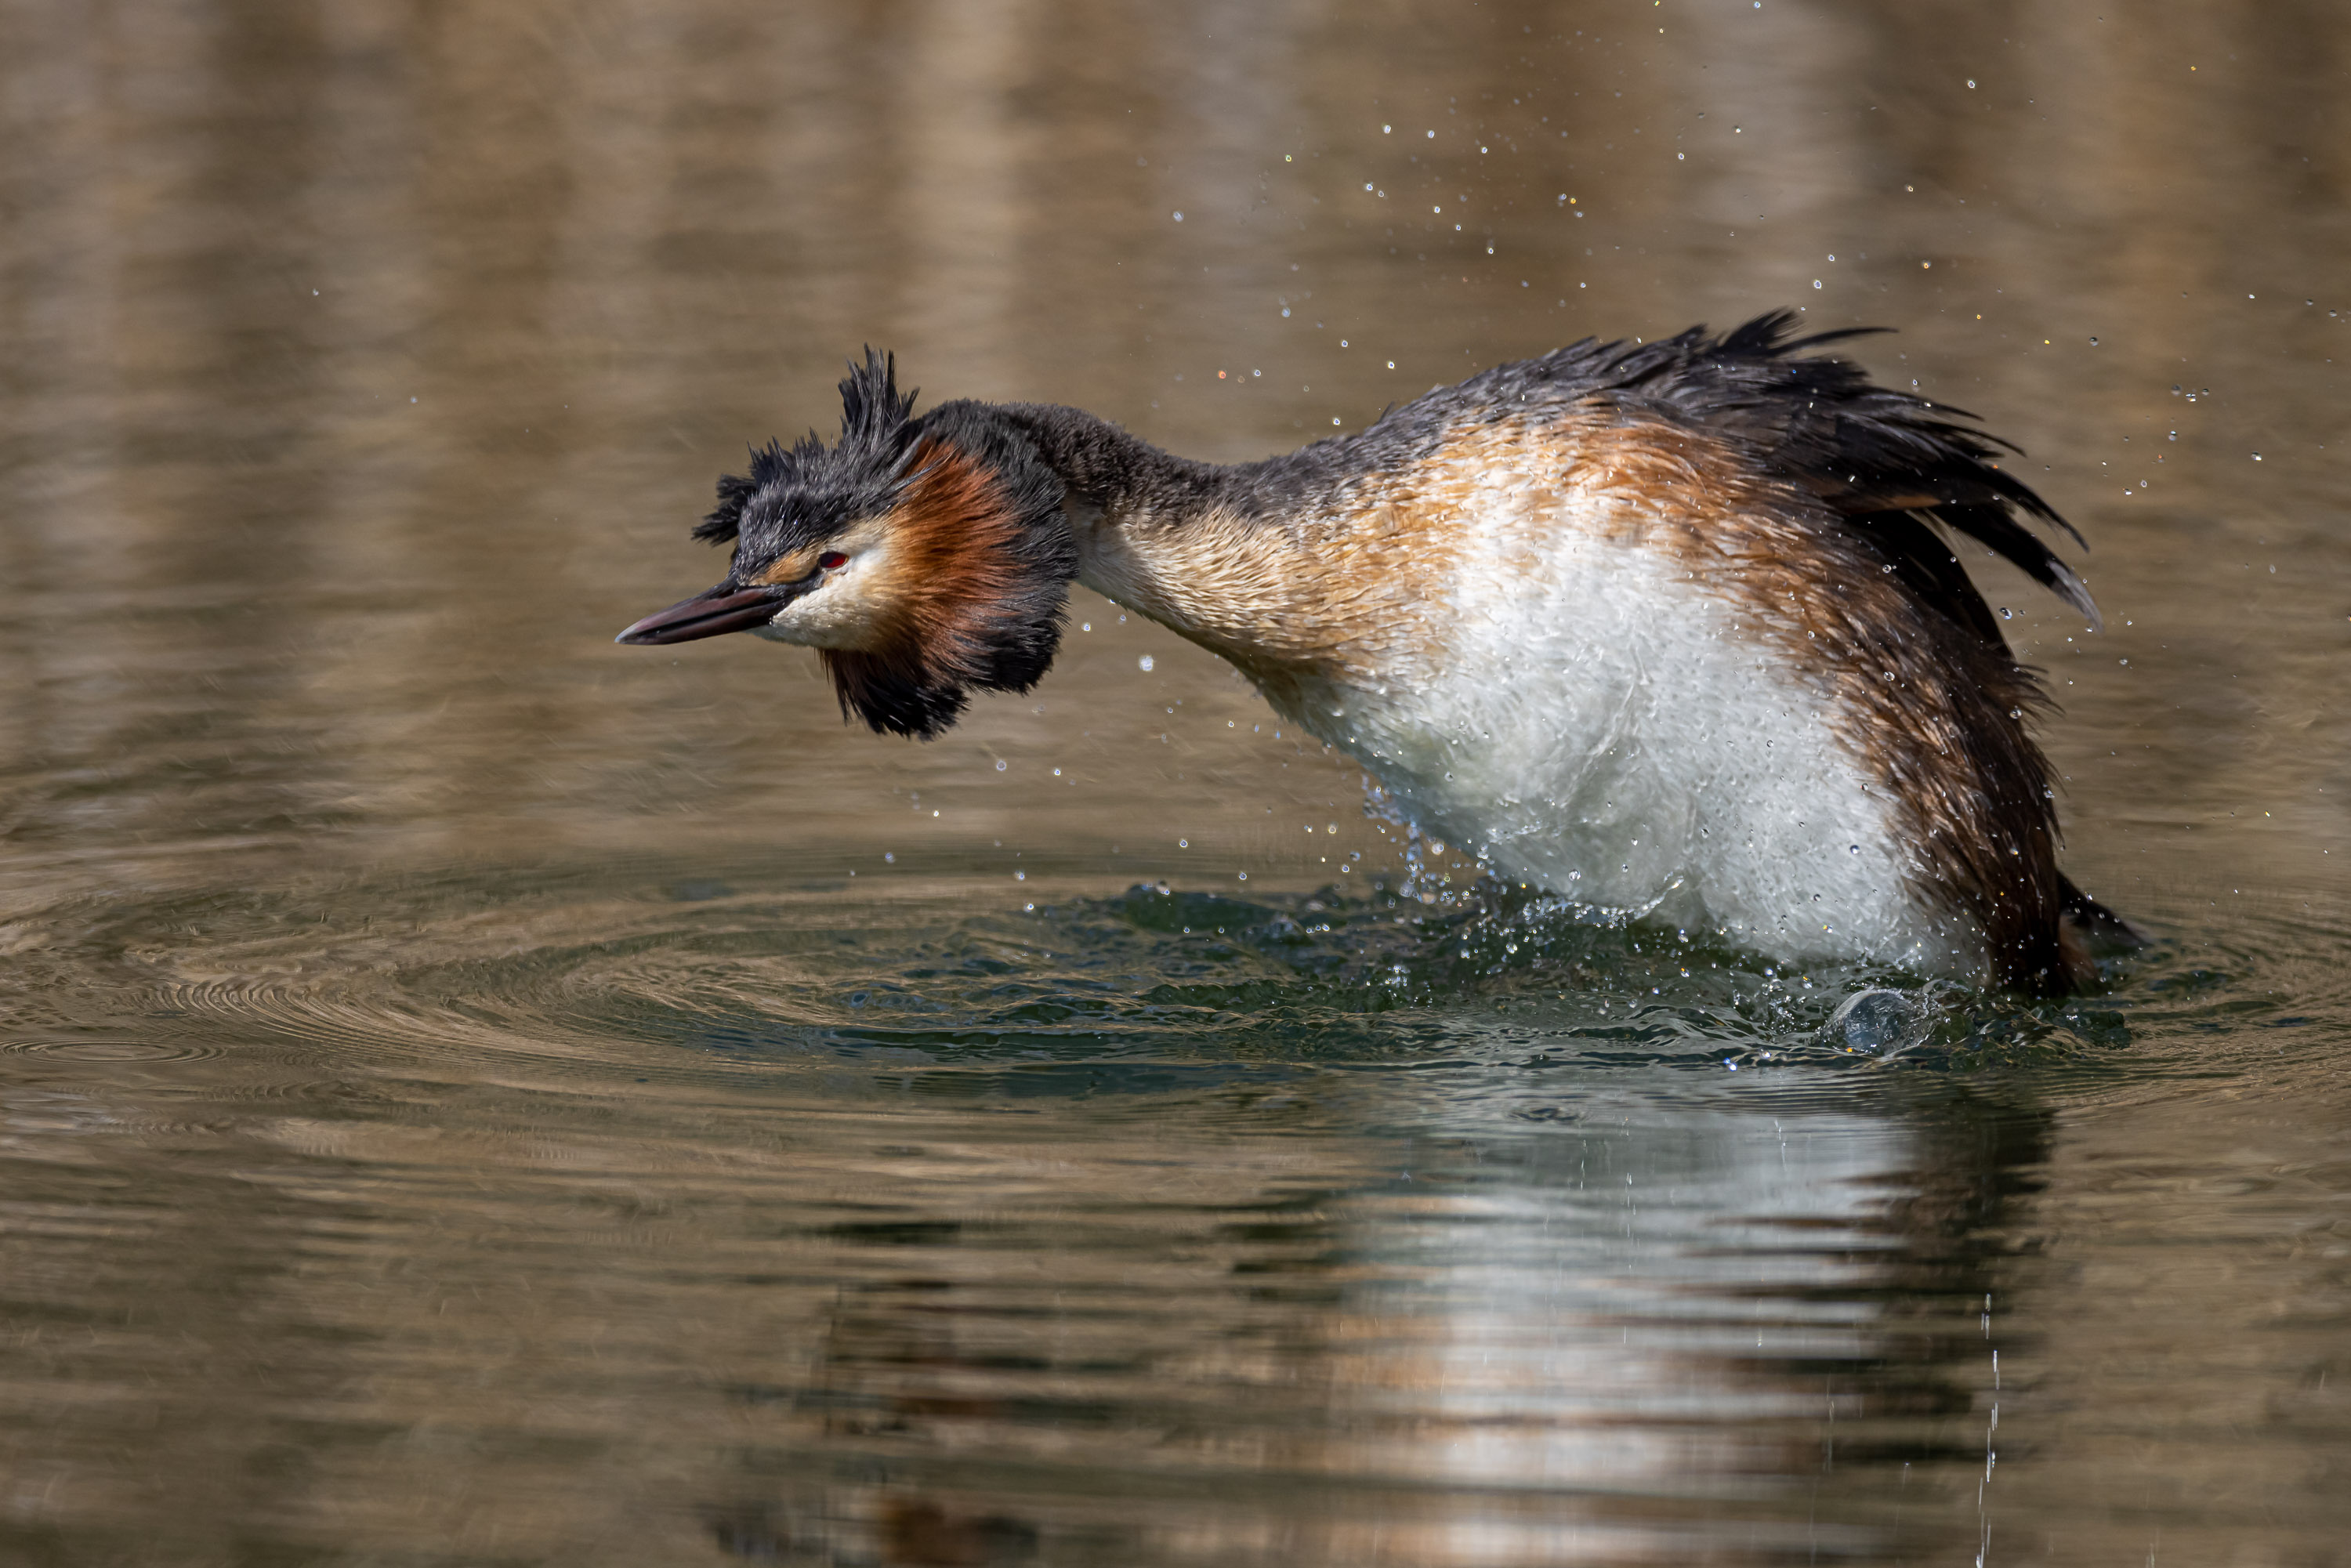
{"x": 1886, "y": 462}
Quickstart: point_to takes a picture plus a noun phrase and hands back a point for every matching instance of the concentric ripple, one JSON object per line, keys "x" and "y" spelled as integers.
{"x": 657, "y": 975}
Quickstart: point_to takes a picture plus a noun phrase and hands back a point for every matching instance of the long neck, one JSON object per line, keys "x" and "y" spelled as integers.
{"x": 1173, "y": 538}
{"x": 1114, "y": 472}
{"x": 1221, "y": 556}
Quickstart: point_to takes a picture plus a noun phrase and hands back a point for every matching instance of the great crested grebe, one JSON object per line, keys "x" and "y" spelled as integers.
{"x": 1670, "y": 630}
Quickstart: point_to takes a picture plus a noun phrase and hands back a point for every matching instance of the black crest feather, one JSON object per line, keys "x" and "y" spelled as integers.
{"x": 877, "y": 437}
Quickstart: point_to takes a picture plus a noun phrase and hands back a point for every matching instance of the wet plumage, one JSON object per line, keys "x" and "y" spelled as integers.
{"x": 1673, "y": 629}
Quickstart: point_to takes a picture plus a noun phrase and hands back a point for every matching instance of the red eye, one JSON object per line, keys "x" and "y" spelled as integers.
{"x": 831, "y": 558}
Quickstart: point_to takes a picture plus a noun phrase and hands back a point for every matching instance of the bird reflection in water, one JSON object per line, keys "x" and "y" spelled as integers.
{"x": 1599, "y": 1343}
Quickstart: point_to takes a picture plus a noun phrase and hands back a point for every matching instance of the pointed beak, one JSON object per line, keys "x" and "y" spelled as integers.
{"x": 726, "y": 608}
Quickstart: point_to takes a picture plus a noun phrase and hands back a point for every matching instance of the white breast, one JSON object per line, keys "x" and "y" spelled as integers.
{"x": 1599, "y": 726}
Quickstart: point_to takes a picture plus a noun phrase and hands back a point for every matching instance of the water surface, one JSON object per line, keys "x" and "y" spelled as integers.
{"x": 470, "y": 1093}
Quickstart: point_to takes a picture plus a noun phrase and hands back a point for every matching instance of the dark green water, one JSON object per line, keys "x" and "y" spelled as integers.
{"x": 473, "y": 1094}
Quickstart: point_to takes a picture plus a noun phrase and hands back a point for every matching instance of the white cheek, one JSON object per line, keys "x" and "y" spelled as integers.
{"x": 840, "y": 614}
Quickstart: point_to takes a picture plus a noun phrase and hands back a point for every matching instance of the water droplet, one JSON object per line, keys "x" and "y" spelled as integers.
{"x": 1001, "y": 765}
{"x": 1144, "y": 664}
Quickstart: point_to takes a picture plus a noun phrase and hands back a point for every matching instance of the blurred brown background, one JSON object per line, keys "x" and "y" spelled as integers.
{"x": 366, "y": 363}
{"x": 376, "y": 1183}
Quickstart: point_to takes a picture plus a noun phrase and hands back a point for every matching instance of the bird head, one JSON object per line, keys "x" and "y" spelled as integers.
{"x": 920, "y": 557}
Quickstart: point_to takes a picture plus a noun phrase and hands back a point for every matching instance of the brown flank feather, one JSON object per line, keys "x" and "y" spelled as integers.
{"x": 1933, "y": 712}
